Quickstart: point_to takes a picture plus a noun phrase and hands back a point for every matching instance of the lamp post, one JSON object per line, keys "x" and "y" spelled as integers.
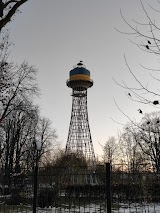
{"x": 38, "y": 147}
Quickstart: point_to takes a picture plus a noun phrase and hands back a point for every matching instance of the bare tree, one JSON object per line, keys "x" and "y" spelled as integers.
{"x": 140, "y": 143}
{"x": 8, "y": 8}
{"x": 132, "y": 154}
{"x": 21, "y": 85}
{"x": 111, "y": 150}
{"x": 149, "y": 138}
{"x": 18, "y": 128}
{"x": 17, "y": 82}
{"x": 145, "y": 35}
{"x": 47, "y": 137}
{"x": 70, "y": 160}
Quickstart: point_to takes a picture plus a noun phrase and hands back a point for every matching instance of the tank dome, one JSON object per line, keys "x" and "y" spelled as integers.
{"x": 79, "y": 73}
{"x": 79, "y": 77}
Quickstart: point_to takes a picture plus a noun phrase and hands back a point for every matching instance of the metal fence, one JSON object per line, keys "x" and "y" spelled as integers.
{"x": 107, "y": 188}
{"x": 135, "y": 188}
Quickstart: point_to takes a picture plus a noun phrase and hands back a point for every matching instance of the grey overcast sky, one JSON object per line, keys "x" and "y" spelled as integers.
{"x": 54, "y": 35}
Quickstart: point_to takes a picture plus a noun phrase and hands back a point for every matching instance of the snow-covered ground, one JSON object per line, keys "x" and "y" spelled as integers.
{"x": 92, "y": 208}
{"x": 138, "y": 208}
{"x": 122, "y": 208}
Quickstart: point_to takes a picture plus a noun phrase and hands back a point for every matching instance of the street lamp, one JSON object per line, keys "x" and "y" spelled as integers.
{"x": 38, "y": 147}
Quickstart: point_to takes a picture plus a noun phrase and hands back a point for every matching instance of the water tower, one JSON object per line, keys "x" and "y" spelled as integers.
{"x": 79, "y": 136}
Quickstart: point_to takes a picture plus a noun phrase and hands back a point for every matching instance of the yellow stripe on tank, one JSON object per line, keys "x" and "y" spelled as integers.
{"x": 80, "y": 77}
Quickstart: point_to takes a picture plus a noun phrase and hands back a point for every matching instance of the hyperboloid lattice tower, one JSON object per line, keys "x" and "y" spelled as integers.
{"x": 79, "y": 136}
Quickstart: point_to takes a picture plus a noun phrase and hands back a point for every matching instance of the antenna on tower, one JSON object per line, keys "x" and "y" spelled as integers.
{"x": 80, "y": 64}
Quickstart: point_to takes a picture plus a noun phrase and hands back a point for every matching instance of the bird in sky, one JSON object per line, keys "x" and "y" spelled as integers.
{"x": 147, "y": 47}
{"x": 155, "y": 102}
{"x": 140, "y": 111}
{"x": 149, "y": 42}
{"x": 129, "y": 94}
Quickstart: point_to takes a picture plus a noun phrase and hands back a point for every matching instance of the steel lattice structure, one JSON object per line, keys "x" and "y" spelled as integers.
{"x": 79, "y": 136}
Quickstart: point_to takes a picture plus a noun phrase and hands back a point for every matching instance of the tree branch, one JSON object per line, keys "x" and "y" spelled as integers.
{"x": 11, "y": 12}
